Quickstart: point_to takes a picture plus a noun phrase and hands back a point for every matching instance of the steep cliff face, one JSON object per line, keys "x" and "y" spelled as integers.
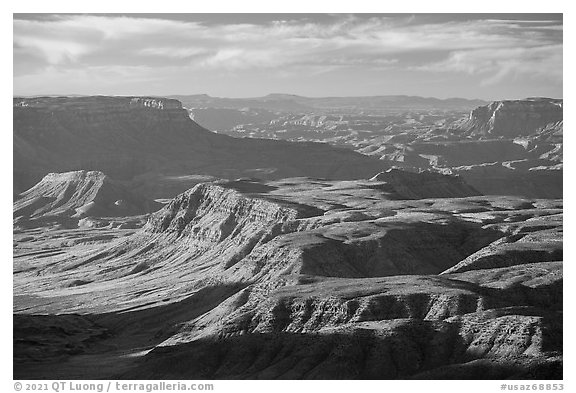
{"x": 118, "y": 136}
{"x": 75, "y": 195}
{"x": 514, "y": 118}
{"x": 128, "y": 136}
{"x": 220, "y": 226}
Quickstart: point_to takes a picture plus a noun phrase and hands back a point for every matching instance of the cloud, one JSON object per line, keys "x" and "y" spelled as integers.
{"x": 71, "y": 37}
{"x": 494, "y": 65}
{"x": 173, "y": 52}
{"x": 493, "y": 48}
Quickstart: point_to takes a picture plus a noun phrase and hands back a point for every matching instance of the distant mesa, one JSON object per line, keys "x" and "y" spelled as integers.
{"x": 96, "y": 102}
{"x": 126, "y": 137}
{"x": 512, "y": 147}
{"x": 425, "y": 184}
{"x": 514, "y": 117}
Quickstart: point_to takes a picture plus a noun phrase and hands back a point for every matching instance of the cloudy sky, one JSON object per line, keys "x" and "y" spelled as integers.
{"x": 241, "y": 55}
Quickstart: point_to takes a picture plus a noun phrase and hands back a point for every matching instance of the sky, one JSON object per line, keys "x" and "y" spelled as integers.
{"x": 486, "y": 56}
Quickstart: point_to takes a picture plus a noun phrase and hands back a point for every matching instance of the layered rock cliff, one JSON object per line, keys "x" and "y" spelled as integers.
{"x": 75, "y": 195}
{"x": 129, "y": 136}
{"x": 504, "y": 148}
{"x": 514, "y": 118}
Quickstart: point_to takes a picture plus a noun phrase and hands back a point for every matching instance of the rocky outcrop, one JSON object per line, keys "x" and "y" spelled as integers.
{"x": 195, "y": 212}
{"x": 75, "y": 195}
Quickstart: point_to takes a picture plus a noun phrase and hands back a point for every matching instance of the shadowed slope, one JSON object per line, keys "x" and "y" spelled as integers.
{"x": 129, "y": 136}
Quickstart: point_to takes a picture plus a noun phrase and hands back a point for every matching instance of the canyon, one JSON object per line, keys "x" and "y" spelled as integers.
{"x": 511, "y": 147}
{"x": 147, "y": 247}
{"x": 152, "y": 140}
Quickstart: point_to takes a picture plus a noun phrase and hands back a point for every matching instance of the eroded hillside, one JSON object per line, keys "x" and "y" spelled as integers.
{"x": 401, "y": 276}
